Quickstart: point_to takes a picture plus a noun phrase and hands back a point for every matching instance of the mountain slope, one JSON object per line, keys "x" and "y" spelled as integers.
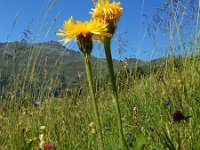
{"x": 51, "y": 59}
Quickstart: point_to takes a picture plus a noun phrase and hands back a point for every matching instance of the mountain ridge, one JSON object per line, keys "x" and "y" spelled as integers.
{"x": 52, "y": 57}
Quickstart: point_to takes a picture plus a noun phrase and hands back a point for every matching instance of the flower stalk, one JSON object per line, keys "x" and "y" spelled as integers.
{"x": 84, "y": 33}
{"x": 94, "y": 102}
{"x": 107, "y": 41}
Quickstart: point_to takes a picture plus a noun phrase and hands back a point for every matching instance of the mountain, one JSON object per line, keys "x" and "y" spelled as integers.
{"x": 51, "y": 59}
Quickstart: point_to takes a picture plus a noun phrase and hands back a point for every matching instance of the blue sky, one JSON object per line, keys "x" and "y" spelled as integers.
{"x": 38, "y": 16}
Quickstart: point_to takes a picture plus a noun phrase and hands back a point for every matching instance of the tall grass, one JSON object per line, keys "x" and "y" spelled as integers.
{"x": 149, "y": 94}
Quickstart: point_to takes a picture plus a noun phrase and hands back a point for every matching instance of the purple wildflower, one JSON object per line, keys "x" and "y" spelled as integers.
{"x": 37, "y": 103}
{"x": 167, "y": 102}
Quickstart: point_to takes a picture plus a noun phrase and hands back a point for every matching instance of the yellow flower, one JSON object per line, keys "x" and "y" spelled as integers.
{"x": 109, "y": 12}
{"x": 93, "y": 29}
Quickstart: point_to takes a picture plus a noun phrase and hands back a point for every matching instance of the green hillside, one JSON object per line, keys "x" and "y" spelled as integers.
{"x": 17, "y": 57}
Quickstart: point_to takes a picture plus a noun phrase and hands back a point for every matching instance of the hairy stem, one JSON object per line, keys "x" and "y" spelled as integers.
{"x": 95, "y": 107}
{"x": 107, "y": 48}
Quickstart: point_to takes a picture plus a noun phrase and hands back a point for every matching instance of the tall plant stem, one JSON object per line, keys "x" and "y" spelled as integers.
{"x": 107, "y": 48}
{"x": 95, "y": 107}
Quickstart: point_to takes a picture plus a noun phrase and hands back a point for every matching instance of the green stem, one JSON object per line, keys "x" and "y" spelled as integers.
{"x": 89, "y": 76}
{"x": 179, "y": 137}
{"x": 107, "y": 41}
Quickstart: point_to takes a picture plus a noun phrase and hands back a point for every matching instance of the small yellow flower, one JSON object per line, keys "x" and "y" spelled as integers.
{"x": 93, "y": 29}
{"x": 109, "y": 12}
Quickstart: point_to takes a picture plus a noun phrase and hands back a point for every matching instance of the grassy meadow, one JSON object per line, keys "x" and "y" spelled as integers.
{"x": 45, "y": 98}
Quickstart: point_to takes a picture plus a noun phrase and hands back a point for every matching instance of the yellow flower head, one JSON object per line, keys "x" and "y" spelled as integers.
{"x": 93, "y": 29}
{"x": 109, "y": 12}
